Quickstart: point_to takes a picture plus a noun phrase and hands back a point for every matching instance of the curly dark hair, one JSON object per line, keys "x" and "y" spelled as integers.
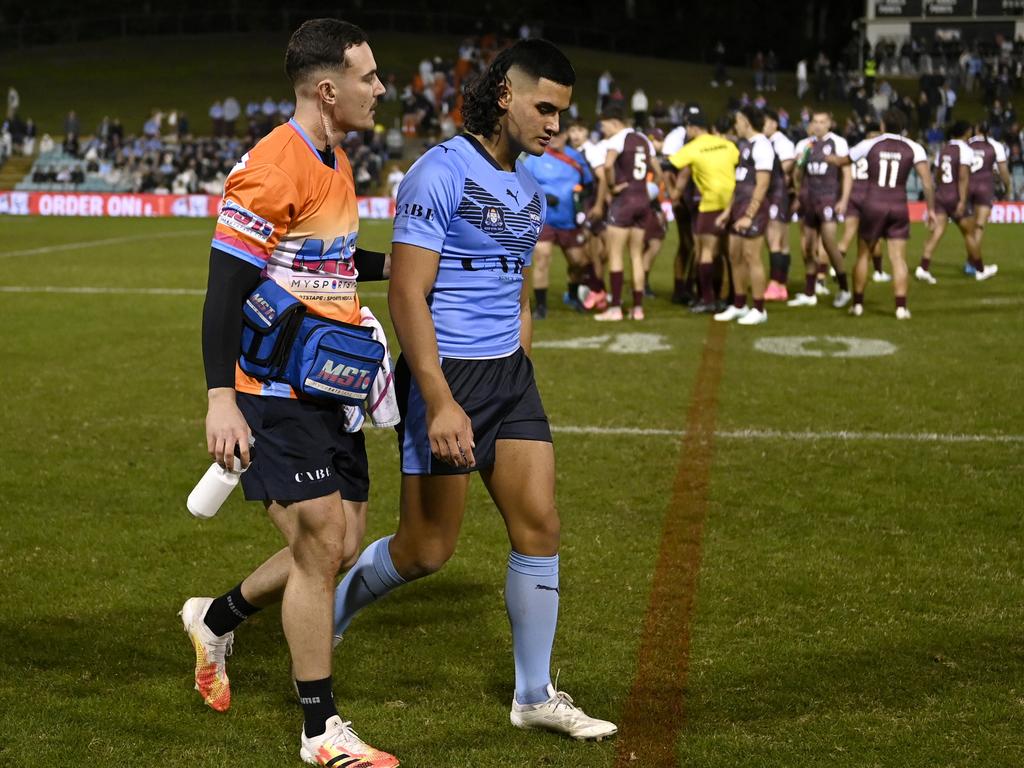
{"x": 537, "y": 58}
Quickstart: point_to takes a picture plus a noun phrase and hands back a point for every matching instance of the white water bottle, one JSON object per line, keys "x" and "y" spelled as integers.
{"x": 213, "y": 489}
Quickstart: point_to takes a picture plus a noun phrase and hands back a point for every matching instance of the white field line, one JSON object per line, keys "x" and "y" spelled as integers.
{"x": 86, "y": 289}
{"x": 805, "y": 436}
{"x": 89, "y": 289}
{"x": 83, "y": 244}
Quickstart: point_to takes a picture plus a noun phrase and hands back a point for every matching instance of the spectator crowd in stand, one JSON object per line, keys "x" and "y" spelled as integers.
{"x": 166, "y": 157}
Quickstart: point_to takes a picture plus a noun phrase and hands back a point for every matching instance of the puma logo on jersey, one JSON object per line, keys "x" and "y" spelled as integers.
{"x": 513, "y": 195}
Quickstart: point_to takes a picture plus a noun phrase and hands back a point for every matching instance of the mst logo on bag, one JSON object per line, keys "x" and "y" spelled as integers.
{"x": 262, "y": 308}
{"x": 245, "y": 221}
{"x": 340, "y": 377}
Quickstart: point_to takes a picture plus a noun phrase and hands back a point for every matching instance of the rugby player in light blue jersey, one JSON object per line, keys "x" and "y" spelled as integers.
{"x": 565, "y": 176}
{"x": 468, "y": 217}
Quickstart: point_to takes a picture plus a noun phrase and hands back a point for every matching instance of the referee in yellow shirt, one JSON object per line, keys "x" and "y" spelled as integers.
{"x": 712, "y": 161}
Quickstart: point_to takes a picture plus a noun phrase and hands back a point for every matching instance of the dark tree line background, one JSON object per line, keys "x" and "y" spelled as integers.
{"x": 794, "y": 29}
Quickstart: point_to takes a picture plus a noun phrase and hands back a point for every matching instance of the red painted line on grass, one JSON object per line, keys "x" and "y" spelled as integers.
{"x": 655, "y": 712}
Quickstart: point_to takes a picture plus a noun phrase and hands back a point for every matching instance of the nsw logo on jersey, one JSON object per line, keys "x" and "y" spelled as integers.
{"x": 493, "y": 221}
{"x": 536, "y": 222}
{"x": 245, "y": 221}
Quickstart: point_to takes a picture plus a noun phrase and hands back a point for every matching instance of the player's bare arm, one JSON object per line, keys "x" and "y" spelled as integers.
{"x": 798, "y": 180}
{"x": 597, "y": 210}
{"x": 963, "y": 180}
{"x": 788, "y": 167}
{"x": 413, "y": 271}
{"x": 609, "y": 173}
{"x": 525, "y": 314}
{"x": 847, "y": 187}
{"x": 761, "y": 182}
{"x": 682, "y": 179}
{"x": 1004, "y": 174}
{"x": 925, "y": 174}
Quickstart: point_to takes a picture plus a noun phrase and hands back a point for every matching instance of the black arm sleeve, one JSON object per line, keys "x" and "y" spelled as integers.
{"x": 229, "y": 285}
{"x": 370, "y": 265}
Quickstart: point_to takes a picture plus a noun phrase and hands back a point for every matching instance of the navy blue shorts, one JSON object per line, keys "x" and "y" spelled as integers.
{"x": 302, "y": 451}
{"x": 500, "y": 397}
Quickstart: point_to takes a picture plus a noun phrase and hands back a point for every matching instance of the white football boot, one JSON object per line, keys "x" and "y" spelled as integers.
{"x": 560, "y": 715}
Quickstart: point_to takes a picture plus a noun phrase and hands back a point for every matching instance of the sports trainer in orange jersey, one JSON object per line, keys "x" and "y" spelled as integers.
{"x": 289, "y": 215}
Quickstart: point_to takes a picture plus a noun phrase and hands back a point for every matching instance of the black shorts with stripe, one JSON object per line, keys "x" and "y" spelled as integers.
{"x": 500, "y": 397}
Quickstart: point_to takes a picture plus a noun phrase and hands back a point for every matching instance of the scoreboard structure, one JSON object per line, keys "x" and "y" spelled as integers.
{"x": 947, "y": 20}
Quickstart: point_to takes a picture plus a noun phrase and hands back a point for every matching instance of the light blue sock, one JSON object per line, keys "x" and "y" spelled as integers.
{"x": 372, "y": 577}
{"x": 531, "y": 597}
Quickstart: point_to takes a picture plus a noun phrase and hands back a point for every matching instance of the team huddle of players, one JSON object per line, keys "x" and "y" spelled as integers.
{"x": 734, "y": 187}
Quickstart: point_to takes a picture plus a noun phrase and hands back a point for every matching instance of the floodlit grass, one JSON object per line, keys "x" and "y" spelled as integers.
{"x": 860, "y": 602}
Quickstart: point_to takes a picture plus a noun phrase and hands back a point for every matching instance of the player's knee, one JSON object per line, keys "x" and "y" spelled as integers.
{"x": 321, "y": 553}
{"x": 541, "y": 532}
{"x": 428, "y": 556}
{"x": 349, "y": 556}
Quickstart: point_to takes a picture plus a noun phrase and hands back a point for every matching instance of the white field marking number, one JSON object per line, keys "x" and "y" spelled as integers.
{"x": 824, "y": 346}
{"x": 619, "y": 344}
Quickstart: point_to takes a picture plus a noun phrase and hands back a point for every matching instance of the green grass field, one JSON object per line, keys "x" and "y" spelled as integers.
{"x": 861, "y": 596}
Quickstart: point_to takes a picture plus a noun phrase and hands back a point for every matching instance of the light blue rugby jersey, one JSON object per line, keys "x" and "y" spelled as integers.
{"x": 560, "y": 179}
{"x": 484, "y": 222}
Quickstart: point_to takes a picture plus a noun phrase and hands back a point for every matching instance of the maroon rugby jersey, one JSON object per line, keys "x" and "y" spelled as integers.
{"x": 951, "y": 158}
{"x": 859, "y": 189}
{"x": 778, "y": 190}
{"x": 756, "y": 154}
{"x": 987, "y": 153}
{"x": 821, "y": 180}
{"x": 635, "y": 160}
{"x": 890, "y": 159}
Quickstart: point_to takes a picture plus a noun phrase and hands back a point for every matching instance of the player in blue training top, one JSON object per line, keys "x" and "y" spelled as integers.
{"x": 468, "y": 216}
{"x": 565, "y": 176}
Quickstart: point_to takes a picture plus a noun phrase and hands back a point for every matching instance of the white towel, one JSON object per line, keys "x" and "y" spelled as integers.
{"x": 381, "y": 404}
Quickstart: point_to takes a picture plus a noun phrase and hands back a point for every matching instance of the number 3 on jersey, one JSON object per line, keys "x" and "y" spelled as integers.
{"x": 947, "y": 170}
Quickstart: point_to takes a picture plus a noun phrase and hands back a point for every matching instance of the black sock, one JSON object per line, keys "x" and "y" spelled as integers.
{"x": 540, "y": 297}
{"x": 228, "y": 611}
{"x": 574, "y": 290}
{"x": 317, "y": 700}
{"x": 841, "y": 279}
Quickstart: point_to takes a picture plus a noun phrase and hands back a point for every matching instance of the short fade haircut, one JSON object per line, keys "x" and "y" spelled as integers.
{"x": 959, "y": 128}
{"x": 537, "y": 58}
{"x": 895, "y": 121}
{"x": 754, "y": 116}
{"x": 320, "y": 44}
